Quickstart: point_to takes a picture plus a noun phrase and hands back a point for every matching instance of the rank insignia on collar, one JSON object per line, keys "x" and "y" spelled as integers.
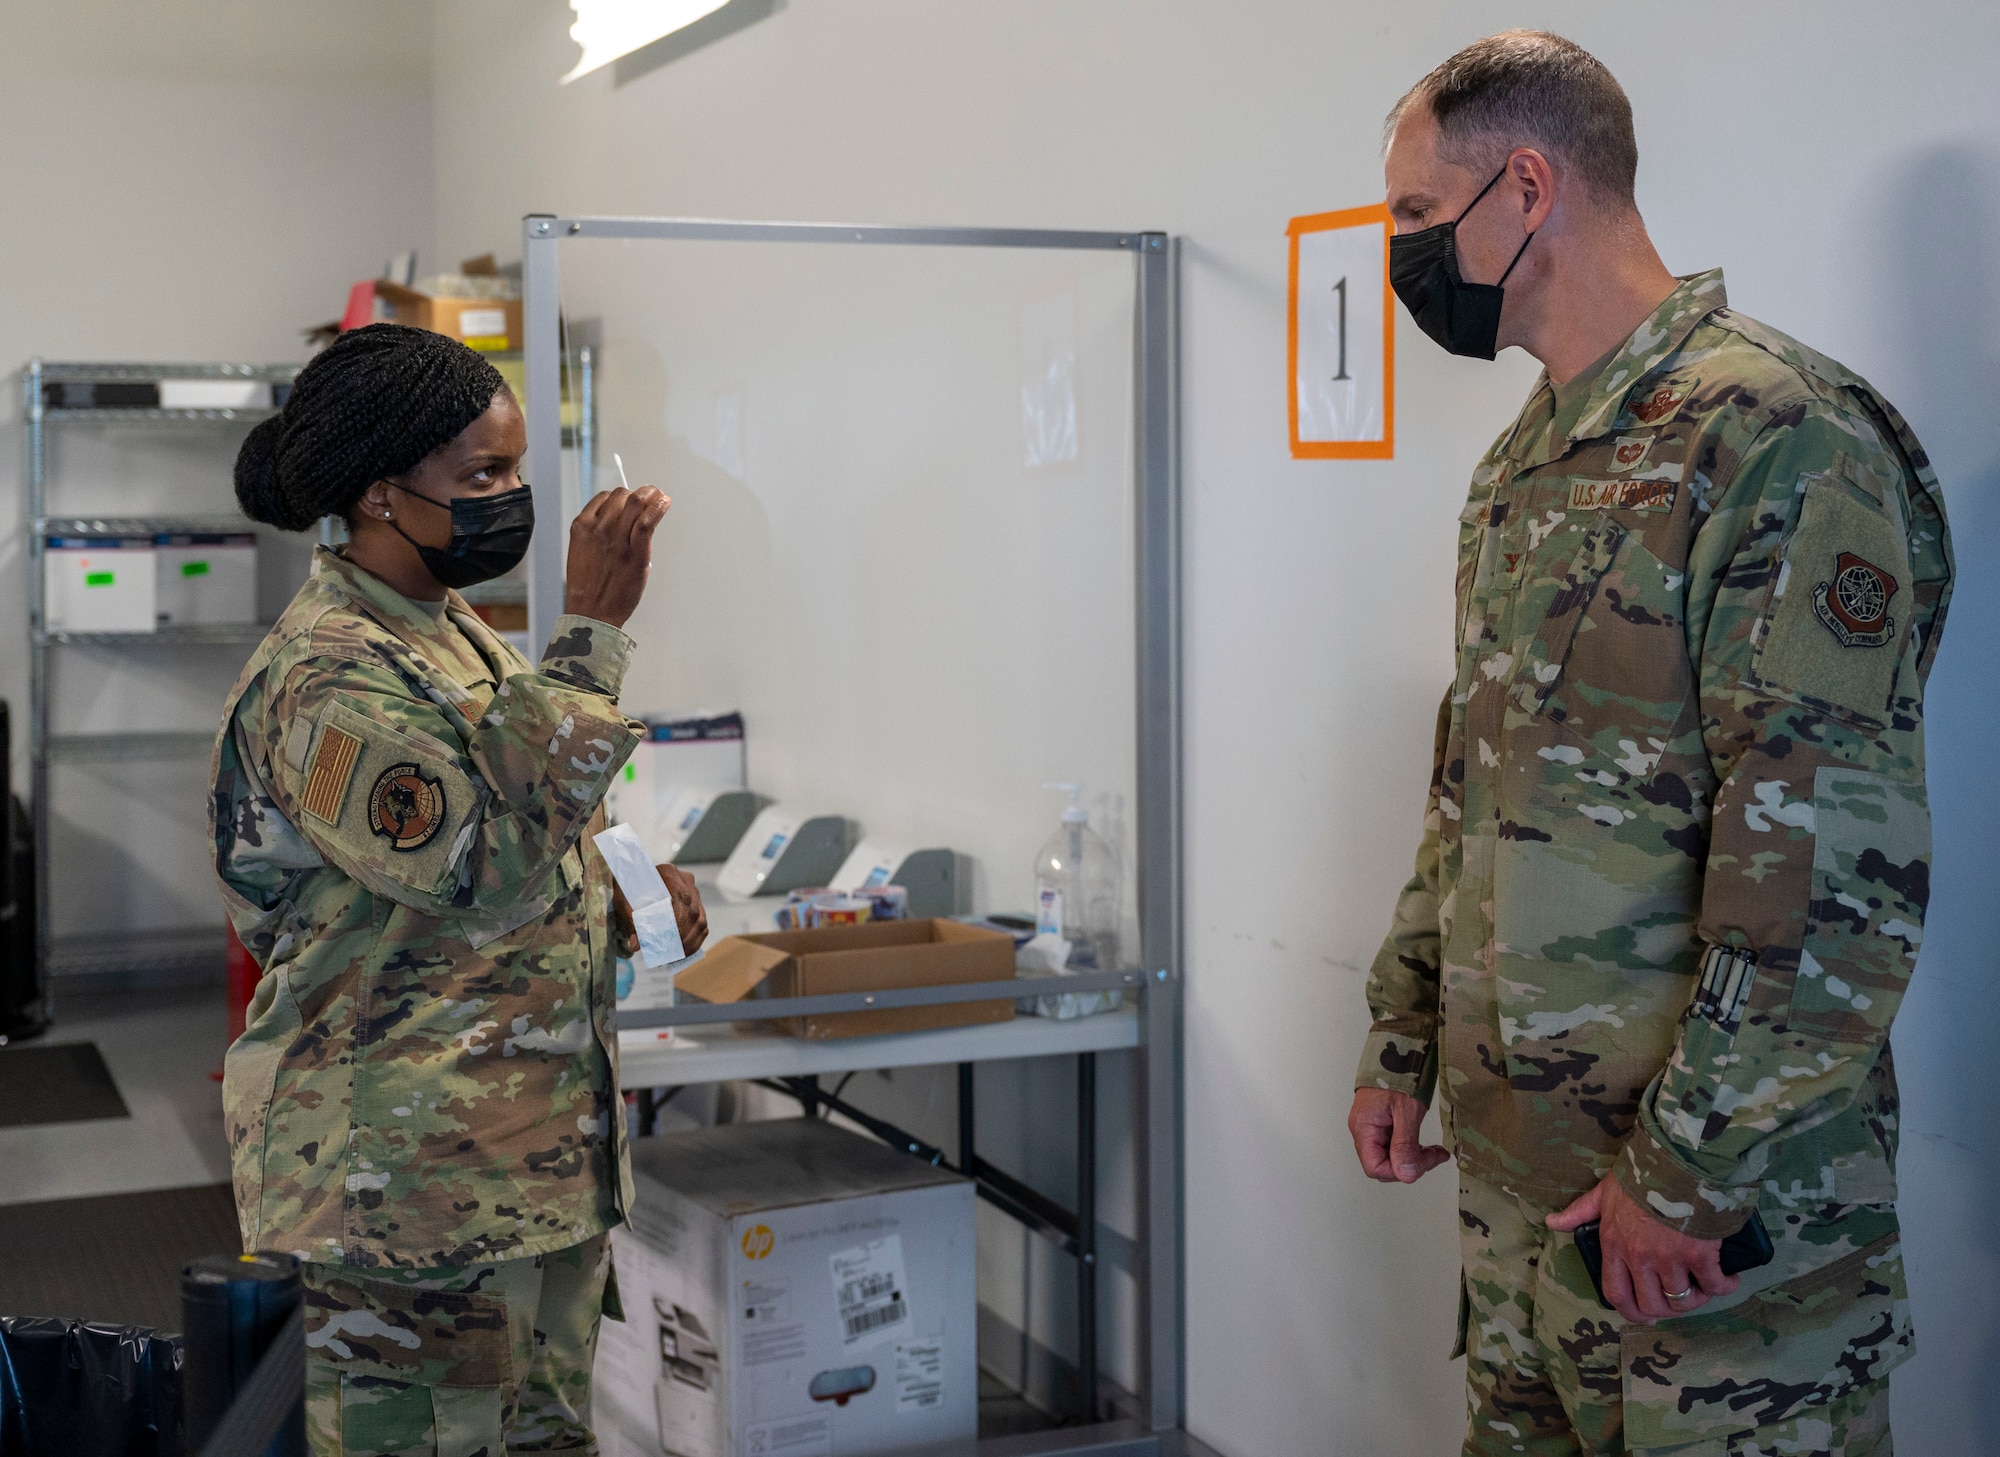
{"x": 1658, "y": 403}
{"x": 1855, "y": 604}
{"x": 405, "y": 807}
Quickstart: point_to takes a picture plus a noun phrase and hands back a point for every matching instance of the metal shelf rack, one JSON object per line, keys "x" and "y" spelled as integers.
{"x": 169, "y": 950}
{"x": 1156, "y": 984}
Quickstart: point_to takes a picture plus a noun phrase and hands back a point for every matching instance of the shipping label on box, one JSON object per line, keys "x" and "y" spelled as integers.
{"x": 831, "y": 1311}
{"x": 208, "y": 578}
{"x": 98, "y": 584}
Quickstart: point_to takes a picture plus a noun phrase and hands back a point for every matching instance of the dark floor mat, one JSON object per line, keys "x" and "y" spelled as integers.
{"x": 66, "y": 1083}
{"x": 114, "y": 1258}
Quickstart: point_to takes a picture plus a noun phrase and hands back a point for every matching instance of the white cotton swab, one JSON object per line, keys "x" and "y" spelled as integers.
{"x": 620, "y": 460}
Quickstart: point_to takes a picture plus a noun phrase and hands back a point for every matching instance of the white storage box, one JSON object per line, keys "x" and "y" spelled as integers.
{"x": 790, "y": 1290}
{"x": 210, "y": 578}
{"x": 98, "y": 584}
{"x": 215, "y": 394}
{"x": 689, "y": 754}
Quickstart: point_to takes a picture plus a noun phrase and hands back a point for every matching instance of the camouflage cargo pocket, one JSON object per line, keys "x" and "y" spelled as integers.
{"x": 1774, "y": 1356}
{"x": 407, "y": 1334}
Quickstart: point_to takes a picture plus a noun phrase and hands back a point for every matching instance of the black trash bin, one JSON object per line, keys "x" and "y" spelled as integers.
{"x": 73, "y": 1387}
{"x": 21, "y": 1011}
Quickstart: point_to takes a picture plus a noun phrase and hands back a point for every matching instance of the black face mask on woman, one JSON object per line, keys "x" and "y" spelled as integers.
{"x": 489, "y": 535}
{"x": 1423, "y": 269}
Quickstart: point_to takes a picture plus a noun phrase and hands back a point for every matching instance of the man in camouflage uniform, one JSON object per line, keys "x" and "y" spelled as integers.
{"x": 429, "y": 1075}
{"x": 1676, "y": 852}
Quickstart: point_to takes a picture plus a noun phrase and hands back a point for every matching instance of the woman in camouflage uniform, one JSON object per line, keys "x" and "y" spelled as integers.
{"x": 424, "y": 1106}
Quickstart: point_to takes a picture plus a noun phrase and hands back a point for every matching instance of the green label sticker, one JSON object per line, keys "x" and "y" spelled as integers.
{"x": 631, "y": 773}
{"x": 194, "y": 569}
{"x": 98, "y": 579}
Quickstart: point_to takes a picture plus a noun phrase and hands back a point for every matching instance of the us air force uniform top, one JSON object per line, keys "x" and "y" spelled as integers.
{"x": 1676, "y": 859}
{"x": 429, "y": 1073}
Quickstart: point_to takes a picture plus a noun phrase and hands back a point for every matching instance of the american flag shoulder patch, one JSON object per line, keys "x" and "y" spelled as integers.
{"x": 331, "y": 772}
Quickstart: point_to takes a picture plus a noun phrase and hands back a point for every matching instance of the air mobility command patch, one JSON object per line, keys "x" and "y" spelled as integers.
{"x": 1832, "y": 634}
{"x": 1855, "y": 604}
{"x": 406, "y": 807}
{"x": 332, "y": 769}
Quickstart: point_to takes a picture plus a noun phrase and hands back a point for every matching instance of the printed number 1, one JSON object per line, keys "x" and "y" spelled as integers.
{"x": 1341, "y": 289}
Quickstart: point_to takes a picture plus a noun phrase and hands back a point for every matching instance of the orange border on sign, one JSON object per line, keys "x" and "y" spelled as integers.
{"x": 1326, "y": 222}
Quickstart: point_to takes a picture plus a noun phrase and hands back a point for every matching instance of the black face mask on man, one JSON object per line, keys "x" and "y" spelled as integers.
{"x": 489, "y": 535}
{"x": 1423, "y": 269}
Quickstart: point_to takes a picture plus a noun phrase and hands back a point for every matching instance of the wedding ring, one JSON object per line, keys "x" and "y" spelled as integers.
{"x": 1678, "y": 1294}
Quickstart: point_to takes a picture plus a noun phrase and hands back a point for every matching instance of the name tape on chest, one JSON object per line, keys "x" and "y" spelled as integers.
{"x": 1623, "y": 495}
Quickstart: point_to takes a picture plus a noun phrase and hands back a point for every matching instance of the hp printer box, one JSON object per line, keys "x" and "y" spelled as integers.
{"x": 790, "y": 1290}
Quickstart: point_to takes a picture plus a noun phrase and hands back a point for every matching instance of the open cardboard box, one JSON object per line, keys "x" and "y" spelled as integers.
{"x": 489, "y": 324}
{"x": 875, "y": 956}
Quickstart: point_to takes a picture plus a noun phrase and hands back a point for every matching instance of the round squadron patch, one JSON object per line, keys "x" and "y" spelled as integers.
{"x": 405, "y": 808}
{"x": 1855, "y": 604}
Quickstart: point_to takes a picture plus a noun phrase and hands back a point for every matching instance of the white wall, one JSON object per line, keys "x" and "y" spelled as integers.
{"x": 1840, "y": 166}
{"x": 184, "y": 180}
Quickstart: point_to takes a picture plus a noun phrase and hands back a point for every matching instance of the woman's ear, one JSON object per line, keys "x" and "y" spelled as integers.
{"x": 374, "y": 502}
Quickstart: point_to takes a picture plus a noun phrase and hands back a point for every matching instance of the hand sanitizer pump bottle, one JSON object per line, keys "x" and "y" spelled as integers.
{"x": 1077, "y": 888}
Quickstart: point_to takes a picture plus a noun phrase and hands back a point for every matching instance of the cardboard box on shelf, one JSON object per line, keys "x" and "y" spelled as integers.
{"x": 790, "y": 1288}
{"x": 206, "y": 578}
{"x": 487, "y": 324}
{"x": 99, "y": 584}
{"x": 873, "y": 957}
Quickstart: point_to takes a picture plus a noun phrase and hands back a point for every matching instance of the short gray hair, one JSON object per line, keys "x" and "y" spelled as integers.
{"x": 1531, "y": 88}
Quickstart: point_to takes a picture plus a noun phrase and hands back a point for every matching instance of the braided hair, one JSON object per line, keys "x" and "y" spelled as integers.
{"x": 371, "y": 405}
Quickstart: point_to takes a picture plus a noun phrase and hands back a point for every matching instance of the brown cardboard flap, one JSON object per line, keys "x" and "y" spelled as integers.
{"x": 733, "y": 968}
{"x": 874, "y": 956}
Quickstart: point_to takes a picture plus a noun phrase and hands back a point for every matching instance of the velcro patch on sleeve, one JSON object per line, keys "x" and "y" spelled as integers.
{"x": 405, "y": 801}
{"x": 329, "y": 772}
{"x": 1834, "y": 633}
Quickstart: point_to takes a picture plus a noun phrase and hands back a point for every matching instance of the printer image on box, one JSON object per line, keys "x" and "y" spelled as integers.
{"x": 790, "y": 1290}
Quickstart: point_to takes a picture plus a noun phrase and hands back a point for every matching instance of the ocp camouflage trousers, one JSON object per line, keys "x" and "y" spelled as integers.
{"x": 1795, "y": 1364}
{"x": 464, "y": 1361}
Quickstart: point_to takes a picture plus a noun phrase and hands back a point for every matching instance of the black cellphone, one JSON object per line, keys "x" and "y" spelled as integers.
{"x": 1744, "y": 1250}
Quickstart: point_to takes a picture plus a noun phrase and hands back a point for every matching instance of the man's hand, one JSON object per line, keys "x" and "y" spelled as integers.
{"x": 611, "y": 551}
{"x": 1384, "y": 1126}
{"x": 689, "y": 915}
{"x": 1645, "y": 1262}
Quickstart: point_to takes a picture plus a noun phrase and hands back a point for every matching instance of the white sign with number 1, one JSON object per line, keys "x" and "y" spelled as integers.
{"x": 1343, "y": 336}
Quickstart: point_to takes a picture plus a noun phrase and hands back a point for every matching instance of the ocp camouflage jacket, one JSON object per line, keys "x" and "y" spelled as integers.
{"x": 1674, "y": 871}
{"x": 429, "y": 1073}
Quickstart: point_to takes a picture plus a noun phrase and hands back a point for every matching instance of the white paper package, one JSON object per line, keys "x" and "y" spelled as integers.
{"x": 645, "y": 892}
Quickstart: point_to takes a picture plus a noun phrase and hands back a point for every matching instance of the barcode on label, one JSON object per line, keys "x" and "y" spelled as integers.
{"x": 867, "y": 1288}
{"x": 861, "y": 1322}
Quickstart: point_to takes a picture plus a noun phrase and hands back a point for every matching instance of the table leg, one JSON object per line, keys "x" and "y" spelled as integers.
{"x": 1086, "y": 1234}
{"x": 966, "y": 1121}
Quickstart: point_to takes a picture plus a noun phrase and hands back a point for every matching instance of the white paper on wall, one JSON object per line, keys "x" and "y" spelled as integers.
{"x": 1342, "y": 340}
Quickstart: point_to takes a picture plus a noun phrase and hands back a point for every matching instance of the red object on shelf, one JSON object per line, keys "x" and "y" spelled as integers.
{"x": 360, "y": 306}
{"x": 243, "y": 978}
